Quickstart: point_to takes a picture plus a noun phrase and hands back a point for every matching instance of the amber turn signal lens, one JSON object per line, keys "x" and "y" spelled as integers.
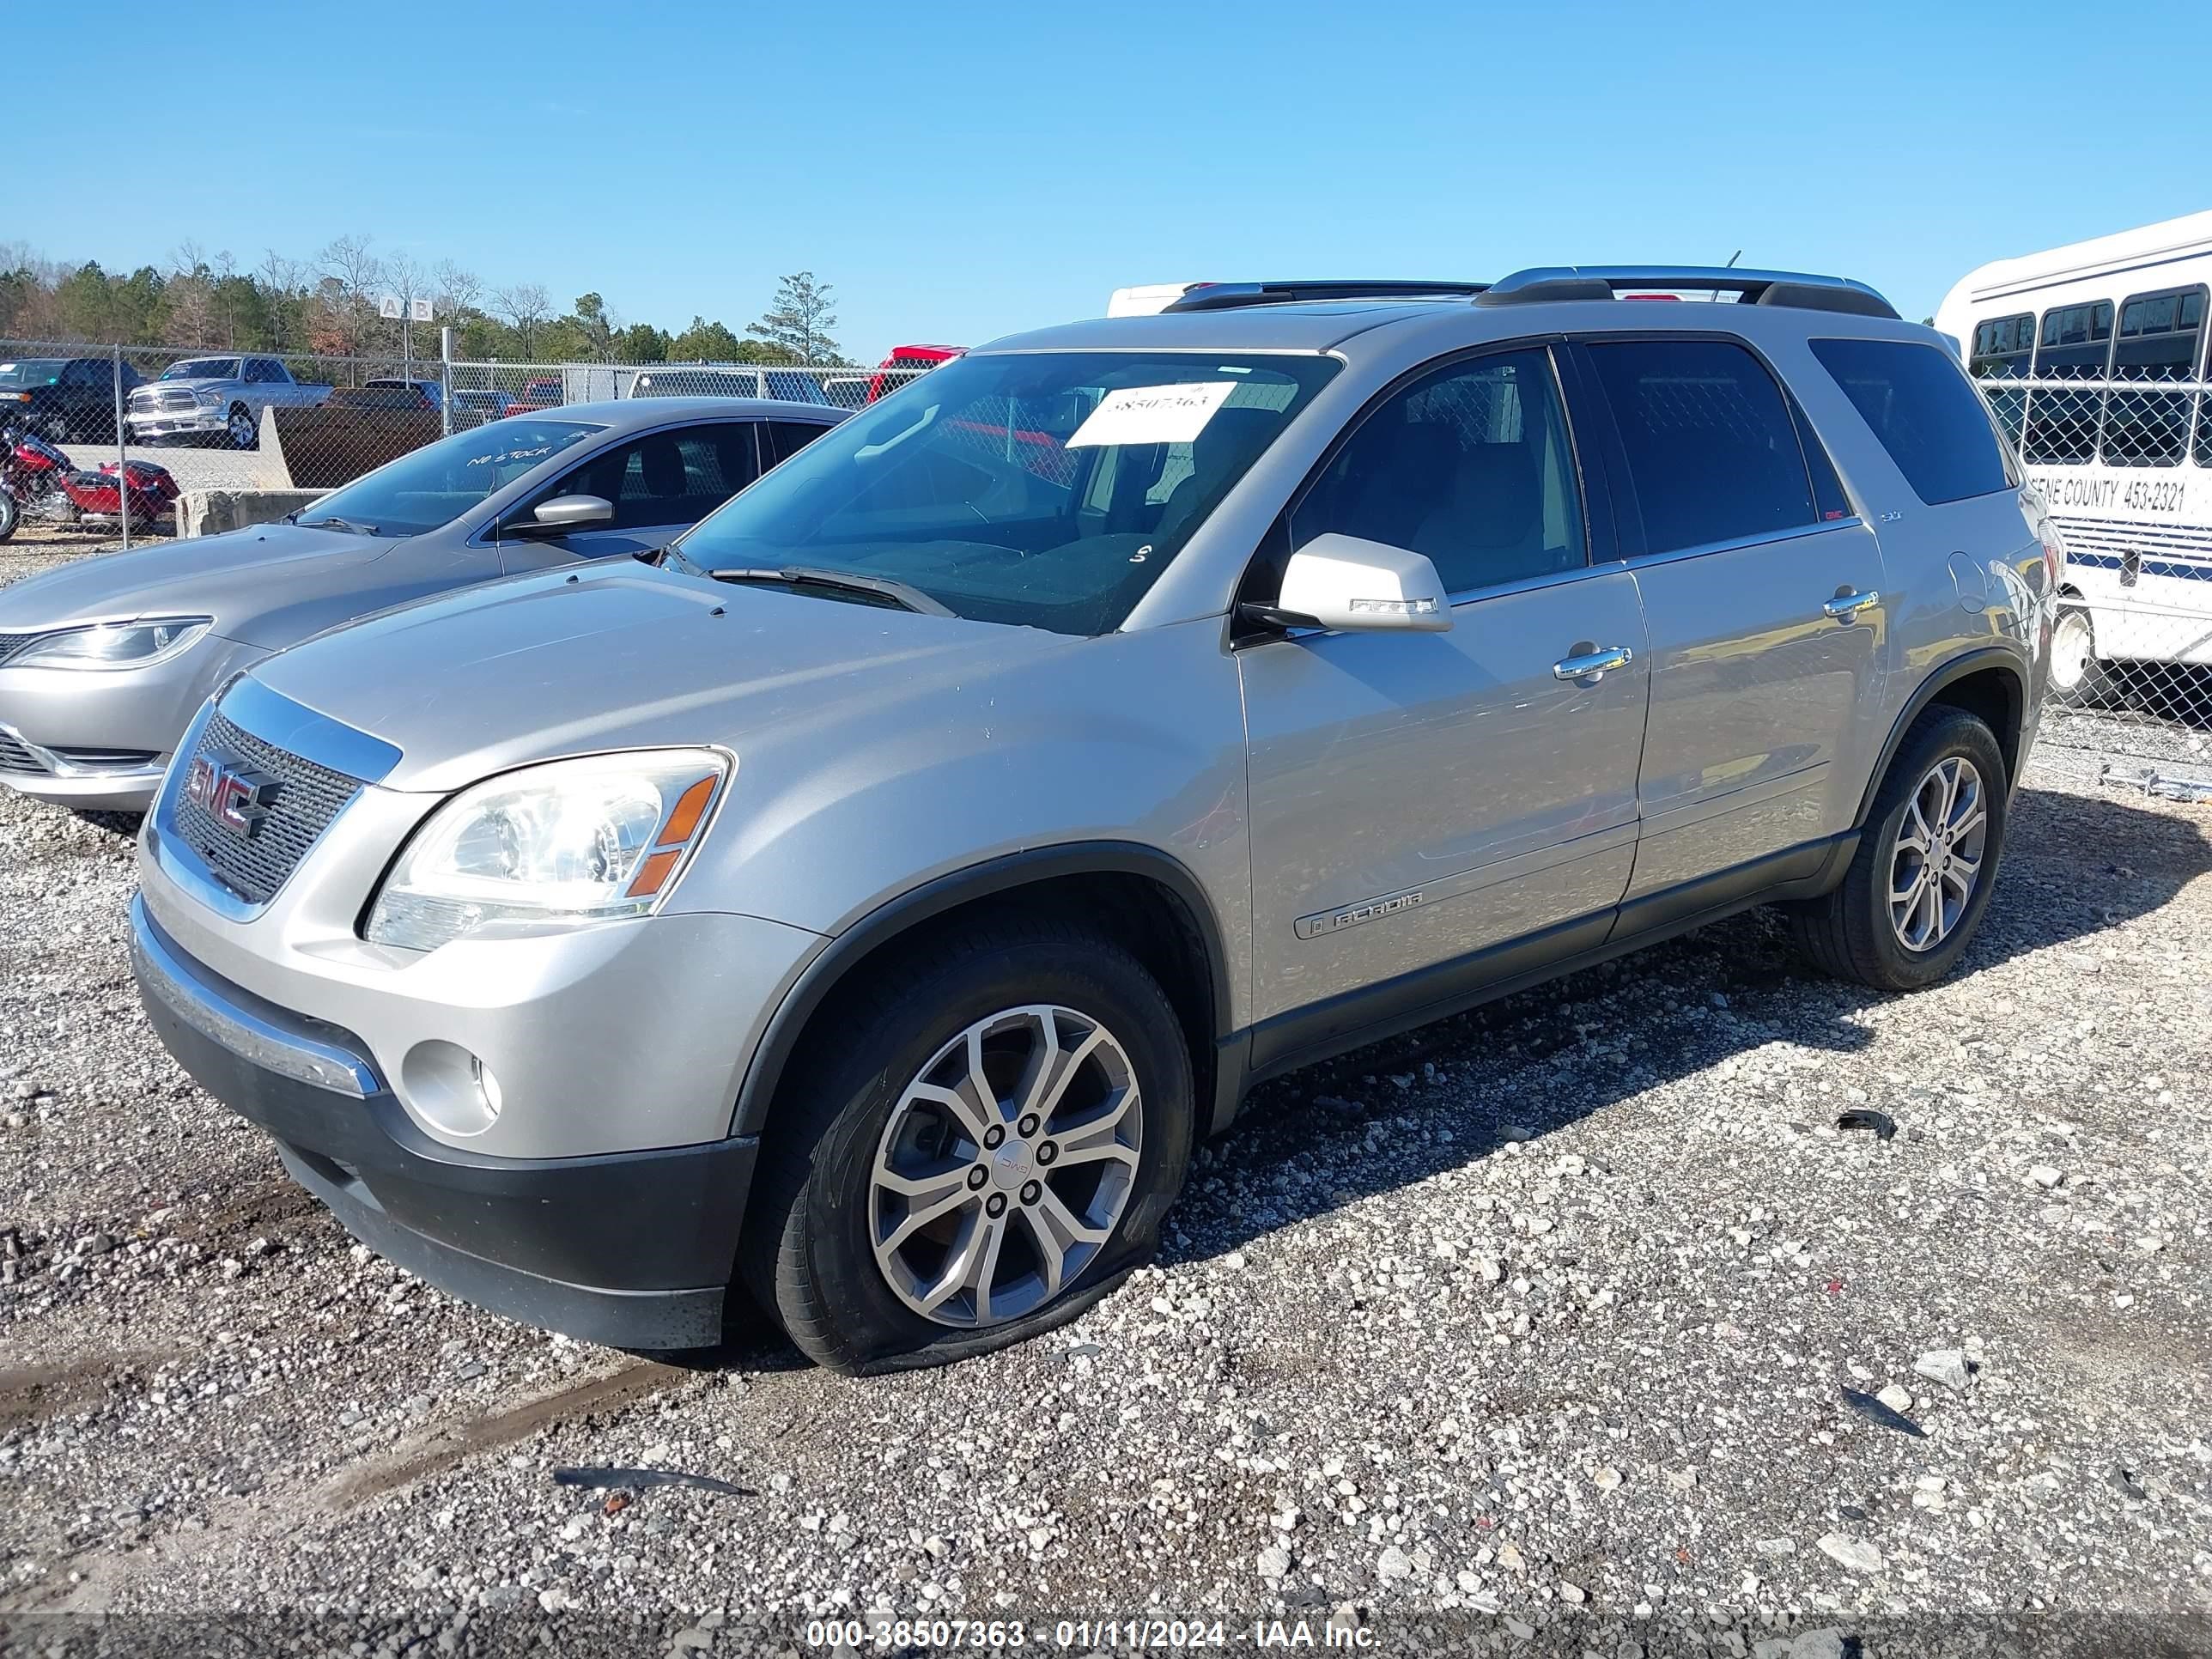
{"x": 690, "y": 807}
{"x": 655, "y": 871}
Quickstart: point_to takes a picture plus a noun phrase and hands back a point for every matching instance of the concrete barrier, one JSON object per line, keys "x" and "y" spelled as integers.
{"x": 212, "y": 512}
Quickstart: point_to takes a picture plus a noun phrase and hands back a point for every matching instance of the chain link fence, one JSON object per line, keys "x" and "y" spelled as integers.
{"x": 210, "y": 438}
{"x": 2125, "y": 462}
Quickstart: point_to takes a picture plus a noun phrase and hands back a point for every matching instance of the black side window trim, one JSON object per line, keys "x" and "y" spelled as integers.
{"x": 1632, "y": 514}
{"x": 1262, "y": 575}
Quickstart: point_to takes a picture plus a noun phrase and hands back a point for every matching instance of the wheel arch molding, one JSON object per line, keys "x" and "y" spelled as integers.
{"x": 2005, "y": 673}
{"x": 1060, "y": 869}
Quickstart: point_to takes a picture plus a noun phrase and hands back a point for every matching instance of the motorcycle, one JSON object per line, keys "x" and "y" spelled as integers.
{"x": 37, "y": 478}
{"x": 31, "y": 468}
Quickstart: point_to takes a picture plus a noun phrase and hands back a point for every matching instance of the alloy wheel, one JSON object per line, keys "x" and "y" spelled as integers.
{"x": 1936, "y": 861}
{"x": 1006, "y": 1166}
{"x": 241, "y": 430}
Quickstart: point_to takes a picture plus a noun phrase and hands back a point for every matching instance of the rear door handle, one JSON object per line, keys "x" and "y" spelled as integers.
{"x": 1593, "y": 666}
{"x": 1845, "y": 606}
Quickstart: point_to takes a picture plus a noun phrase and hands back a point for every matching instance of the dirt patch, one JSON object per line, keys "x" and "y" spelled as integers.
{"x": 453, "y": 1443}
{"x": 32, "y": 1394}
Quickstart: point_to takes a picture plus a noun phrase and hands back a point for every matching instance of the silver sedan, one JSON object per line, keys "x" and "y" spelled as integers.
{"x": 103, "y": 663}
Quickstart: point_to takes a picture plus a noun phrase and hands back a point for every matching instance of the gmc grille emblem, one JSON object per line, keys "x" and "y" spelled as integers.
{"x": 236, "y": 800}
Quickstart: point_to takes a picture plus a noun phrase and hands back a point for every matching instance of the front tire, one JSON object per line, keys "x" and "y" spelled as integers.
{"x": 238, "y": 429}
{"x": 979, "y": 1142}
{"x": 11, "y": 515}
{"x": 1926, "y": 864}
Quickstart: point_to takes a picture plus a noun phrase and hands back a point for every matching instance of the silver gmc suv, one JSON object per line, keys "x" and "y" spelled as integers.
{"x": 866, "y": 902}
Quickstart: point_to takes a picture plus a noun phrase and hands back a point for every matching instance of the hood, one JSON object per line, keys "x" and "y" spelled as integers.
{"x": 630, "y": 657}
{"x": 191, "y": 384}
{"x": 230, "y": 577}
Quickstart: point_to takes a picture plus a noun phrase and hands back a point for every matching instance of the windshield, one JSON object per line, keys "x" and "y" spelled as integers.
{"x": 1045, "y": 489}
{"x": 438, "y": 482}
{"x": 43, "y": 371}
{"x": 203, "y": 368}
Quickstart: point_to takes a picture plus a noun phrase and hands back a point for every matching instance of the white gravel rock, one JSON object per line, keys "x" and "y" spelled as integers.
{"x": 1855, "y": 1553}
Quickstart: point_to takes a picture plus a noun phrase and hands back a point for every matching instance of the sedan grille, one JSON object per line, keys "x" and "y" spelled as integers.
{"x": 300, "y": 804}
{"x": 15, "y": 754}
{"x": 11, "y": 643}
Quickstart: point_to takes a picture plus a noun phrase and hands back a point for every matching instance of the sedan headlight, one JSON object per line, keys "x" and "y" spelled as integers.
{"x": 114, "y": 645}
{"x": 550, "y": 846}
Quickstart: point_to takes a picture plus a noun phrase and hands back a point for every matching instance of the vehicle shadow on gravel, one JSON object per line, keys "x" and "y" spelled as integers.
{"x": 2074, "y": 866}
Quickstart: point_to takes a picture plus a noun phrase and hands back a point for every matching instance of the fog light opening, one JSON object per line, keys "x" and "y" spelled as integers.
{"x": 450, "y": 1089}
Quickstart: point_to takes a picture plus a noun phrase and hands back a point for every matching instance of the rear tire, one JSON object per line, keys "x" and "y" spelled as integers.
{"x": 880, "y": 1121}
{"x": 1897, "y": 921}
{"x": 2075, "y": 670}
{"x": 11, "y": 515}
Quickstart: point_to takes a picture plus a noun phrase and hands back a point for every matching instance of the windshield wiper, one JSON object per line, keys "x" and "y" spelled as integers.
{"x": 358, "y": 529}
{"x": 906, "y": 596}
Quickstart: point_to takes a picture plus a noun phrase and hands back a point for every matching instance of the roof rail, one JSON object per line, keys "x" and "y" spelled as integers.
{"x": 1542, "y": 283}
{"x": 1225, "y": 296}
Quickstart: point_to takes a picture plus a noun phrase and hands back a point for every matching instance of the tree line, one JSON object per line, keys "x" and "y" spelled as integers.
{"x": 330, "y": 304}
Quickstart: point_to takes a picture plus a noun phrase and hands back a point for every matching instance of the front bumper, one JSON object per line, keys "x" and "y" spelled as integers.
{"x": 118, "y": 785}
{"x": 633, "y": 1250}
{"x": 175, "y": 423}
{"x": 50, "y": 715}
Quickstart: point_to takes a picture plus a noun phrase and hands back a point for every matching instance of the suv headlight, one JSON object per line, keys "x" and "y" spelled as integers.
{"x": 549, "y": 846}
{"x": 114, "y": 645}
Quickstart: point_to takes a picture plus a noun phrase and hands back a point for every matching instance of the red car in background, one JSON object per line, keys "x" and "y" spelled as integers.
{"x": 541, "y": 391}
{"x": 908, "y": 356}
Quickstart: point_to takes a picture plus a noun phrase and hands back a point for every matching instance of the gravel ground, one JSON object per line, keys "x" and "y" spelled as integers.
{"x": 1577, "y": 1324}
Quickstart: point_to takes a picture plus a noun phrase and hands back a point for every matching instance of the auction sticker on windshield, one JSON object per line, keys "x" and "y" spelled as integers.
{"x": 1152, "y": 414}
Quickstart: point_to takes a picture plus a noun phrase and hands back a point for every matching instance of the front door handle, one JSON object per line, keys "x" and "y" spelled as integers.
{"x": 1593, "y": 665}
{"x": 1847, "y": 605}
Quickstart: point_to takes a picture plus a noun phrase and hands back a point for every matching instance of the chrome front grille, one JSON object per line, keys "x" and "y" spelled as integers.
{"x": 15, "y": 754}
{"x": 306, "y": 797}
{"x": 173, "y": 398}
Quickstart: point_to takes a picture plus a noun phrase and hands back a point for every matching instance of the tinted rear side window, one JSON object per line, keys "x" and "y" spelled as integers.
{"x": 1925, "y": 414}
{"x": 1712, "y": 452}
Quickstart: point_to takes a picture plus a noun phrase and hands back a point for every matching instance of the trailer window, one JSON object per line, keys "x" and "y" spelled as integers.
{"x": 2158, "y": 340}
{"x": 2075, "y": 343}
{"x": 2002, "y": 349}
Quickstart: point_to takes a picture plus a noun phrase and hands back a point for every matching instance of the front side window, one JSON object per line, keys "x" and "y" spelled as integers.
{"x": 1712, "y": 452}
{"x": 1022, "y": 487}
{"x": 438, "y": 482}
{"x": 2158, "y": 340}
{"x": 1469, "y": 465}
{"x": 1924, "y": 412}
{"x": 664, "y": 478}
{"x": 782, "y": 439}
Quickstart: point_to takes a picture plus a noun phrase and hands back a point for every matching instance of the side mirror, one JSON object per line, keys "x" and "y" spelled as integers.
{"x": 1356, "y": 585}
{"x": 565, "y": 515}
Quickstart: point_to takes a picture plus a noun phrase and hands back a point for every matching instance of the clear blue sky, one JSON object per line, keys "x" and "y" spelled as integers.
{"x": 963, "y": 171}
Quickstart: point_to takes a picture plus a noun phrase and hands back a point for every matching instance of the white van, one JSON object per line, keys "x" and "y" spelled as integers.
{"x": 2092, "y": 356}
